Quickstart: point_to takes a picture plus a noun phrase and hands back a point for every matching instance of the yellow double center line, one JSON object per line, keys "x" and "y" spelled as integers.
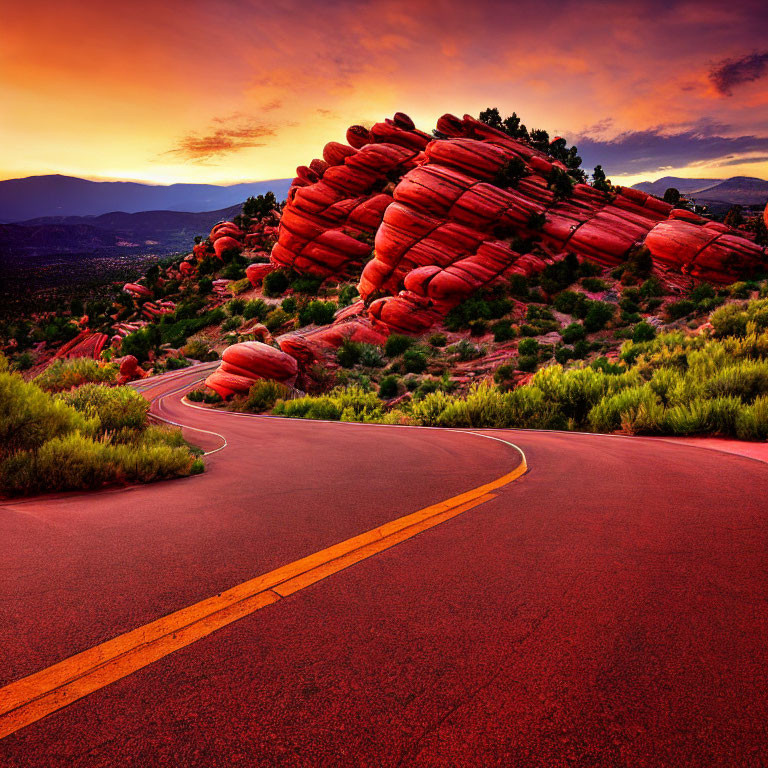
{"x": 32, "y": 698}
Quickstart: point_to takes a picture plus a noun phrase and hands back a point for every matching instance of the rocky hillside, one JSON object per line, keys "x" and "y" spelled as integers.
{"x": 413, "y": 262}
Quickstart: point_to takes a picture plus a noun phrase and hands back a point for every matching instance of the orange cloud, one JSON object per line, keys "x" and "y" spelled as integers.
{"x": 128, "y": 89}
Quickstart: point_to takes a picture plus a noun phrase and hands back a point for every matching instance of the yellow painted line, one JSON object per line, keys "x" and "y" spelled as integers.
{"x": 32, "y": 698}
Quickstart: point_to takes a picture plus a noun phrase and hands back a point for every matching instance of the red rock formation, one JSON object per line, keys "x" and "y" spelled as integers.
{"x": 224, "y": 244}
{"x": 244, "y": 363}
{"x": 446, "y": 223}
{"x": 129, "y": 369}
{"x": 711, "y": 251}
{"x": 335, "y": 205}
{"x": 137, "y": 291}
{"x": 257, "y": 272}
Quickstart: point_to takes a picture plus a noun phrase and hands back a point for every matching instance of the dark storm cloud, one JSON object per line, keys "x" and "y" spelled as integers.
{"x": 658, "y": 149}
{"x": 732, "y": 72}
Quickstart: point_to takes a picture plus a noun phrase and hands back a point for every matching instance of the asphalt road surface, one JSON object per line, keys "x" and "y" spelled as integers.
{"x": 608, "y": 608}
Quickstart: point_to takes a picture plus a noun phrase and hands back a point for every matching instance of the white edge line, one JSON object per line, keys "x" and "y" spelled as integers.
{"x": 188, "y": 404}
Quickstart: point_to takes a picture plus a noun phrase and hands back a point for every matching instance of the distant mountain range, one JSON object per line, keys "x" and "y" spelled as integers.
{"x": 37, "y": 196}
{"x": 147, "y": 231}
{"x": 742, "y": 190}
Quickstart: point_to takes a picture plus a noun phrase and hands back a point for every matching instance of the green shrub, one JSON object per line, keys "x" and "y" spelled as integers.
{"x": 81, "y": 439}
{"x": 465, "y": 350}
{"x": 235, "y": 307}
{"x": 348, "y": 354}
{"x": 478, "y": 327}
{"x": 503, "y": 331}
{"x": 636, "y": 409}
{"x": 571, "y": 303}
{"x": 263, "y": 395}
{"x": 65, "y": 374}
{"x": 290, "y": 305}
{"x": 477, "y": 308}
{"x": 752, "y": 420}
{"x": 740, "y": 290}
{"x": 23, "y": 362}
{"x": 677, "y": 309}
{"x": 598, "y": 315}
{"x": 255, "y": 308}
{"x": 351, "y": 404}
{"x": 240, "y": 286}
{"x": 573, "y": 333}
{"x": 276, "y": 319}
{"x": 518, "y": 286}
{"x": 318, "y": 312}
{"x": 196, "y": 395}
{"x": 700, "y": 416}
{"x": 396, "y": 344}
{"x": 29, "y": 416}
{"x": 746, "y": 379}
{"x": 643, "y": 332}
{"x": 347, "y": 294}
{"x": 275, "y": 283}
{"x": 115, "y": 408}
{"x": 414, "y": 360}
{"x": 371, "y": 356}
{"x": 594, "y": 284}
{"x": 528, "y": 347}
{"x": 199, "y": 349}
{"x": 734, "y": 319}
{"x": 504, "y": 374}
{"x": 651, "y": 288}
{"x": 232, "y": 323}
{"x": 389, "y": 387}
{"x": 438, "y": 340}
{"x": 75, "y": 462}
{"x": 306, "y": 284}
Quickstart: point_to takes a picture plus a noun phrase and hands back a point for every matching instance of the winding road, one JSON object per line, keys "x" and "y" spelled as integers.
{"x": 606, "y": 607}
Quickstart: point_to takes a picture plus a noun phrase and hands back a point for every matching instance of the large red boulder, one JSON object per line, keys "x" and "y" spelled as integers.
{"x": 257, "y": 272}
{"x": 137, "y": 291}
{"x": 243, "y": 364}
{"x": 225, "y": 244}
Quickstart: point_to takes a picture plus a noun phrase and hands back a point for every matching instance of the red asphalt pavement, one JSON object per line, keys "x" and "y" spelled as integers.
{"x": 609, "y": 608}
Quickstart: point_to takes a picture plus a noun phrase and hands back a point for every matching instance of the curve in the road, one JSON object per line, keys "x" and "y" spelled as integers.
{"x": 38, "y": 695}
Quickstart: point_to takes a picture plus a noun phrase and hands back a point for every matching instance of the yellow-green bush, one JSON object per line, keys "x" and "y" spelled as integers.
{"x": 61, "y": 375}
{"x": 83, "y": 439}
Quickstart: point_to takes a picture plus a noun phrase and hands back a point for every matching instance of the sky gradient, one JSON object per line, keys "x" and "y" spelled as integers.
{"x": 220, "y": 91}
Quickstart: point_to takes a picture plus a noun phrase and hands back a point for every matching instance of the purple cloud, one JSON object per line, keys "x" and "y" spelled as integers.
{"x": 733, "y": 72}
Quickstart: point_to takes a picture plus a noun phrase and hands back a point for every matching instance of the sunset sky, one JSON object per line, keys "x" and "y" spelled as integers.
{"x": 224, "y": 91}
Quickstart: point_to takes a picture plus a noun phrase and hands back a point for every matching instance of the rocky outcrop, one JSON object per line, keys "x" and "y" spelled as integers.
{"x": 137, "y": 291}
{"x": 245, "y": 363}
{"x": 228, "y": 238}
{"x": 452, "y": 215}
{"x": 336, "y": 204}
{"x": 86, "y": 344}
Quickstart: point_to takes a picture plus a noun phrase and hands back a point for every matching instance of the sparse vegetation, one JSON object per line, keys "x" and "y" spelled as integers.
{"x": 66, "y": 374}
{"x": 83, "y": 439}
{"x": 666, "y": 384}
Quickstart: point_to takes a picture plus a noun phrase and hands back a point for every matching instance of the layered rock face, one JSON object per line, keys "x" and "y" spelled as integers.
{"x": 449, "y": 216}
{"x": 243, "y": 364}
{"x": 336, "y": 204}
{"x": 227, "y": 237}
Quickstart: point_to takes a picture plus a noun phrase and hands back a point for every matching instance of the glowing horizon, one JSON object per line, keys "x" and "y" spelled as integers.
{"x": 226, "y": 92}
